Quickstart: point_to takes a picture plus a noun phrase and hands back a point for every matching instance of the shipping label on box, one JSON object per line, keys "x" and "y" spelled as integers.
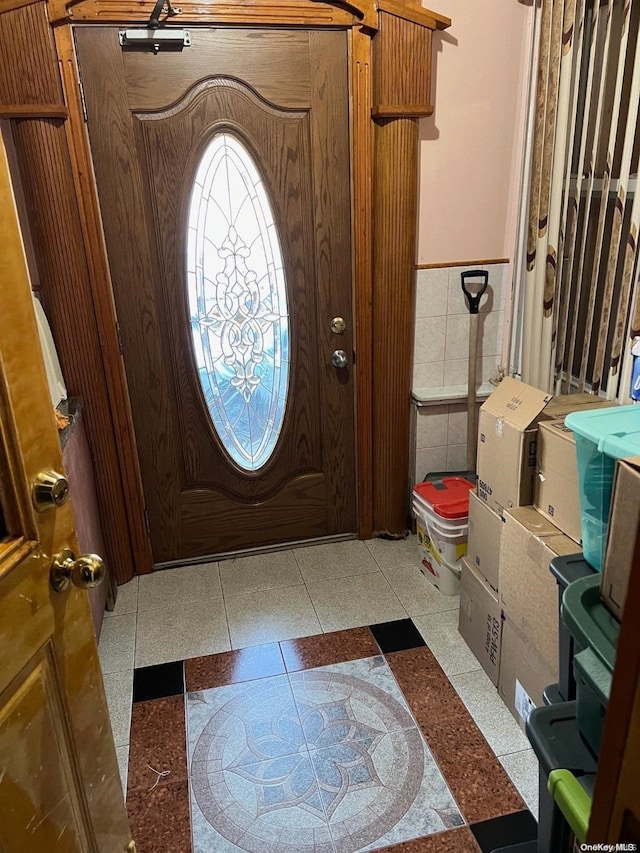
{"x": 523, "y": 702}
{"x": 528, "y": 590}
{"x": 556, "y": 485}
{"x": 507, "y": 434}
{"x": 623, "y": 524}
{"x": 483, "y": 542}
{"x": 480, "y": 622}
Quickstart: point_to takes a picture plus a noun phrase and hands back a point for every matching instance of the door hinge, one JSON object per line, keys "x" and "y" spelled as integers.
{"x": 119, "y": 335}
{"x": 147, "y": 527}
{"x": 83, "y": 102}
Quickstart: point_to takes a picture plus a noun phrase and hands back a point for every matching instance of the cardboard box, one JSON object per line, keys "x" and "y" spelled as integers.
{"x": 528, "y": 590}
{"x": 556, "y": 485}
{"x": 564, "y": 404}
{"x": 483, "y": 543}
{"x": 507, "y": 436}
{"x": 623, "y": 524}
{"x": 480, "y": 622}
{"x": 524, "y": 674}
{"x": 556, "y": 493}
{"x": 507, "y": 439}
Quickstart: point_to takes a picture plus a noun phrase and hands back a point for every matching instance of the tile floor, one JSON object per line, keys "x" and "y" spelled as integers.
{"x": 314, "y": 699}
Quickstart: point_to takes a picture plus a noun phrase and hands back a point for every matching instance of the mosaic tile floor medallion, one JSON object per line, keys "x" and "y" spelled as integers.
{"x": 327, "y": 759}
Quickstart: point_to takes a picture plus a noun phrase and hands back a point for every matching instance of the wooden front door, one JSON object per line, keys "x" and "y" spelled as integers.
{"x": 59, "y": 783}
{"x": 223, "y": 177}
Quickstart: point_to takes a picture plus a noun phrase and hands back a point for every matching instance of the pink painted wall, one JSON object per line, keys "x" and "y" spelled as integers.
{"x": 472, "y": 146}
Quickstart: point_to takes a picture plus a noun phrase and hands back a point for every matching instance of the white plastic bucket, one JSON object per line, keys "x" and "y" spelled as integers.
{"x": 442, "y": 543}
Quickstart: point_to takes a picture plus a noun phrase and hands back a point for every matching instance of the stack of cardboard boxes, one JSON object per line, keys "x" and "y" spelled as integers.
{"x": 525, "y": 513}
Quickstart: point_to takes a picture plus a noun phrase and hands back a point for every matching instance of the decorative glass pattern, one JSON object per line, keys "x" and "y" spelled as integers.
{"x": 238, "y": 302}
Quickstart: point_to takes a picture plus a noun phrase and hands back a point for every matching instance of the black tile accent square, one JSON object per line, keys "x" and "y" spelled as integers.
{"x": 156, "y": 682}
{"x": 515, "y": 828}
{"x": 397, "y": 636}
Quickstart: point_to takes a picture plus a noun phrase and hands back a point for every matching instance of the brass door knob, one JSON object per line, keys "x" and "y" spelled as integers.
{"x": 50, "y": 491}
{"x": 84, "y": 572}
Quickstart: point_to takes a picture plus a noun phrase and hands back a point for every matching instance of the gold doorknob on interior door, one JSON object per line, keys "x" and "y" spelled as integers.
{"x": 50, "y": 490}
{"x": 338, "y": 325}
{"x": 84, "y": 572}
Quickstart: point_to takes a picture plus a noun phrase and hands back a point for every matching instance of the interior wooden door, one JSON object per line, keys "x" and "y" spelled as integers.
{"x": 59, "y": 782}
{"x": 223, "y": 178}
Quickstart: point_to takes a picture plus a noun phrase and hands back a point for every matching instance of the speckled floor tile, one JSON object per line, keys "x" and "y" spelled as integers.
{"x": 351, "y": 602}
{"x": 178, "y": 631}
{"x": 453, "y": 841}
{"x": 270, "y": 616}
{"x": 326, "y": 649}
{"x": 440, "y": 631}
{"x": 118, "y": 687}
{"x": 118, "y": 643}
{"x": 179, "y": 585}
{"x": 263, "y": 571}
{"x": 159, "y": 818}
{"x": 126, "y": 599}
{"x": 158, "y": 744}
{"x": 523, "y": 770}
{"x": 416, "y": 593}
{"x": 334, "y": 560}
{"x": 233, "y": 667}
{"x": 489, "y": 712}
{"x": 477, "y": 780}
{"x": 122, "y": 754}
{"x": 389, "y": 553}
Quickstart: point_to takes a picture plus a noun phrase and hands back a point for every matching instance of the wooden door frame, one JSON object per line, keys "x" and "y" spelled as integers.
{"x": 389, "y": 73}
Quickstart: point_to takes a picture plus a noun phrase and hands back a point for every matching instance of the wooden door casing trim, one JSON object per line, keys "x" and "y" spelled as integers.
{"x": 382, "y": 492}
{"x": 361, "y": 130}
{"x": 98, "y": 266}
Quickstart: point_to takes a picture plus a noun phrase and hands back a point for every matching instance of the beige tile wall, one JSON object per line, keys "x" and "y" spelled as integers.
{"x": 439, "y": 432}
{"x": 442, "y": 327}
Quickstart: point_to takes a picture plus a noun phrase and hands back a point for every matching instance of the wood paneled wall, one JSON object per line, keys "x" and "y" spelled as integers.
{"x": 395, "y": 213}
{"x": 28, "y": 58}
{"x": 403, "y": 90}
{"x": 402, "y": 74}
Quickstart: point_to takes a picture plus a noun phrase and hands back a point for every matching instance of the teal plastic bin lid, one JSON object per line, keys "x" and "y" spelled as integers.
{"x": 589, "y": 621}
{"x": 615, "y": 431}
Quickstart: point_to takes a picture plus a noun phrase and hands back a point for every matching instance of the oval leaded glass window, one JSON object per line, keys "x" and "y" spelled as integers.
{"x": 238, "y": 302}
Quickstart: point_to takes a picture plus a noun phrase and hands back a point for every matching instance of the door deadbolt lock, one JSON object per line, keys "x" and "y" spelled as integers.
{"x": 339, "y": 358}
{"x": 338, "y": 325}
{"x": 50, "y": 491}
{"x": 84, "y": 572}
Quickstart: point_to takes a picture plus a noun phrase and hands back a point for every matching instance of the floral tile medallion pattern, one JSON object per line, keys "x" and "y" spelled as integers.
{"x": 328, "y": 759}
